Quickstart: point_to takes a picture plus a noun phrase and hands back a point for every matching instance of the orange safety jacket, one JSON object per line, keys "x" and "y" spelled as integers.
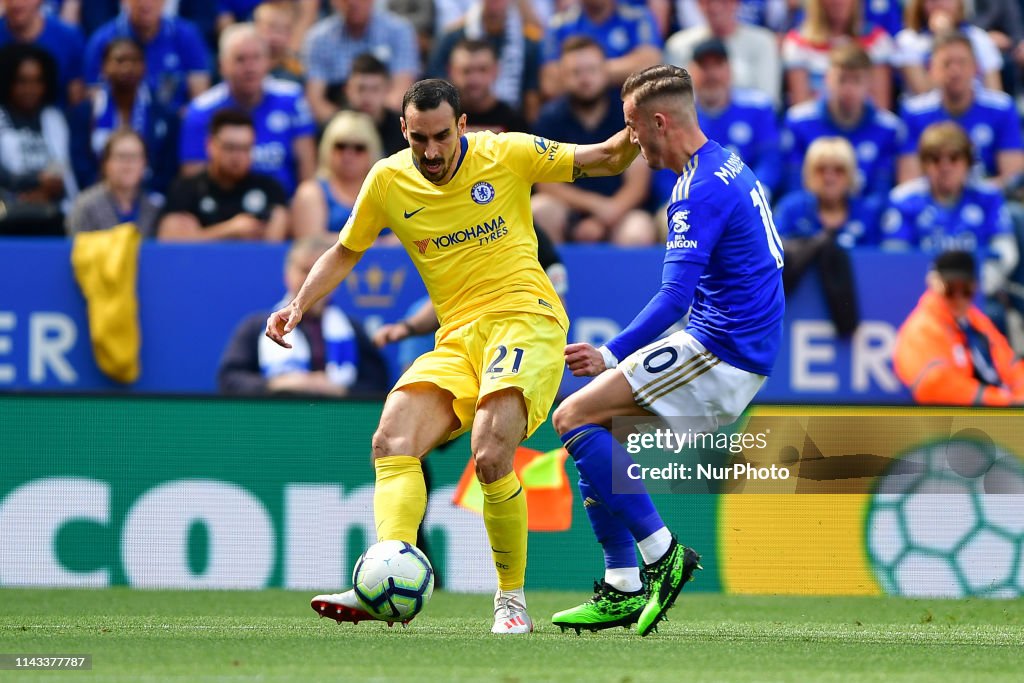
{"x": 932, "y": 358}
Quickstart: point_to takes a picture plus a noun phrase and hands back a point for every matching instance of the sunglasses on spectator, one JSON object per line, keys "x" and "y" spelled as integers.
{"x": 960, "y": 288}
{"x": 952, "y": 157}
{"x": 357, "y": 147}
{"x": 835, "y": 168}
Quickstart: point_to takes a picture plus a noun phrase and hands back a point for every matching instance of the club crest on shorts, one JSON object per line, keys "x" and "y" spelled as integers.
{"x": 482, "y": 192}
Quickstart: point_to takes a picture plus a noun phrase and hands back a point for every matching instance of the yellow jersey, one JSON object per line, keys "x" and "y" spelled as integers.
{"x": 472, "y": 239}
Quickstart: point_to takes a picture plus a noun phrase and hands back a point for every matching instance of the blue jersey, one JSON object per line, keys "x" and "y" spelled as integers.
{"x": 93, "y": 121}
{"x": 280, "y": 117}
{"x": 991, "y": 122}
{"x": 916, "y": 218}
{"x": 720, "y": 222}
{"x": 176, "y": 52}
{"x": 337, "y": 211}
{"x": 747, "y": 126}
{"x": 64, "y": 43}
{"x": 796, "y": 216}
{"x": 877, "y": 140}
{"x": 625, "y": 30}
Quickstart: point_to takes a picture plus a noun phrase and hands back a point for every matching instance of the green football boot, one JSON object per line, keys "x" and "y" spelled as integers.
{"x": 608, "y": 608}
{"x": 664, "y": 579}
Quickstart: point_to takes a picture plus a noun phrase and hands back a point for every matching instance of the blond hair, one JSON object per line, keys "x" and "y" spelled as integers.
{"x": 348, "y": 126}
{"x": 835, "y": 149}
{"x": 945, "y": 136}
{"x": 815, "y": 25}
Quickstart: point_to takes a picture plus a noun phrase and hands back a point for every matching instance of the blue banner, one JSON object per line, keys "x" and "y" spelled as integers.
{"x": 192, "y": 296}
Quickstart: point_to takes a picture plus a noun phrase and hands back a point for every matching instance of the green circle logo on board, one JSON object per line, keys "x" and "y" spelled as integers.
{"x": 947, "y": 520}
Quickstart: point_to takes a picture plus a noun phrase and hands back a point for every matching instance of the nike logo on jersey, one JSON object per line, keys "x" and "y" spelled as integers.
{"x": 410, "y": 214}
{"x": 503, "y": 552}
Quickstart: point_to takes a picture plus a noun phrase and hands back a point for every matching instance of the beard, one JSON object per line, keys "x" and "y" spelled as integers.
{"x": 586, "y": 101}
{"x": 434, "y": 176}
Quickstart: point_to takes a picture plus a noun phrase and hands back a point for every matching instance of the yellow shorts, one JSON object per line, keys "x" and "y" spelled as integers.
{"x": 497, "y": 351}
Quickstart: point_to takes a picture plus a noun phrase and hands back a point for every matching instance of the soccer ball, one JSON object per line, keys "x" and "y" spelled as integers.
{"x": 947, "y": 520}
{"x": 393, "y": 580}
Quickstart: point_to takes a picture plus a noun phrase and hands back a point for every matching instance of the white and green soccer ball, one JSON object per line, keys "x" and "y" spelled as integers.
{"x": 947, "y": 520}
{"x": 393, "y": 580}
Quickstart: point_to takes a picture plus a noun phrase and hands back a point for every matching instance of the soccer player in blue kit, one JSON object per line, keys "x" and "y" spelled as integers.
{"x": 723, "y": 258}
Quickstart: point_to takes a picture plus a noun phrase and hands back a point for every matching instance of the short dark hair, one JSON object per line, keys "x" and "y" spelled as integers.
{"x": 662, "y": 80}
{"x": 367, "y": 65}
{"x": 123, "y": 40}
{"x": 952, "y": 265}
{"x": 229, "y": 117}
{"x": 475, "y": 45}
{"x": 580, "y": 42}
{"x": 429, "y": 94}
{"x": 13, "y": 55}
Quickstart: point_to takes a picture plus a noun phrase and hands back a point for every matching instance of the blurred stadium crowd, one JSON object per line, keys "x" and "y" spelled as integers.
{"x": 874, "y": 123}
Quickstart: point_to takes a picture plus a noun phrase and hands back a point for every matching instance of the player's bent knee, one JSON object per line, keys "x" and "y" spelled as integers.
{"x": 386, "y": 443}
{"x": 567, "y": 416}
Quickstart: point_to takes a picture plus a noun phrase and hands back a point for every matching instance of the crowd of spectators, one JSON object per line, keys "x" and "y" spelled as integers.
{"x": 258, "y": 120}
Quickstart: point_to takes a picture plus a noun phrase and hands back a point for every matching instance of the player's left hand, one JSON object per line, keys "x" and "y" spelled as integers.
{"x": 584, "y": 360}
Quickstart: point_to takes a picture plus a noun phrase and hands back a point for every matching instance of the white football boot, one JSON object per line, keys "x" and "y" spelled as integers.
{"x": 341, "y": 607}
{"x": 510, "y": 613}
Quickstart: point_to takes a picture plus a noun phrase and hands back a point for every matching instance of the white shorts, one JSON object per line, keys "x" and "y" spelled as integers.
{"x": 678, "y": 377}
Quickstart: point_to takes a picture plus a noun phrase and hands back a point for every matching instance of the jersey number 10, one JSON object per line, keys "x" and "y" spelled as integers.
{"x": 774, "y": 241}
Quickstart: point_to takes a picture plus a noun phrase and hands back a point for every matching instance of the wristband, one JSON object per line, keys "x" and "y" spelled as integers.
{"x": 610, "y": 361}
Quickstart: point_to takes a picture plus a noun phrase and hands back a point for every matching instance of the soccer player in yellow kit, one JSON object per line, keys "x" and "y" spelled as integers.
{"x": 460, "y": 204}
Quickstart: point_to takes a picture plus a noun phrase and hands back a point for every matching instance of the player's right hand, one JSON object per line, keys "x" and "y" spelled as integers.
{"x": 584, "y": 360}
{"x": 390, "y": 333}
{"x": 282, "y": 322}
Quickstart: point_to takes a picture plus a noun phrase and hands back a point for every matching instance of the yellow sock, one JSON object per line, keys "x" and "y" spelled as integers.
{"x": 399, "y": 499}
{"x": 505, "y": 519}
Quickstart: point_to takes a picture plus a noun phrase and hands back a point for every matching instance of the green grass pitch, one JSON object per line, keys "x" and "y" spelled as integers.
{"x": 138, "y": 635}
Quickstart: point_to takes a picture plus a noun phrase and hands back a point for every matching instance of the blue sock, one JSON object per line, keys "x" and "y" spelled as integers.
{"x": 601, "y": 460}
{"x": 618, "y": 544}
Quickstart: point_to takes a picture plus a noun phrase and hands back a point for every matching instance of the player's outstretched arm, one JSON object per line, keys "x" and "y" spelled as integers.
{"x": 329, "y": 270}
{"x": 611, "y": 157}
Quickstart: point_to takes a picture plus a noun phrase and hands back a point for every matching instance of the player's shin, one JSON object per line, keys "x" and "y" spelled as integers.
{"x": 399, "y": 498}
{"x": 621, "y": 568}
{"x": 505, "y": 519}
{"x": 604, "y": 463}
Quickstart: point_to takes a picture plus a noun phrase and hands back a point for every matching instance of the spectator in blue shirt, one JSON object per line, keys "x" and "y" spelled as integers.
{"x": 358, "y": 27}
{"x": 948, "y": 210}
{"x": 123, "y": 100}
{"x": 820, "y": 223}
{"x": 25, "y": 22}
{"x": 591, "y": 209}
{"x": 348, "y": 150}
{"x": 989, "y": 117}
{"x": 846, "y": 111}
{"x": 516, "y": 43}
{"x": 284, "y": 147}
{"x": 829, "y": 202}
{"x": 738, "y": 119}
{"x": 627, "y": 34}
{"x": 177, "y": 62}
